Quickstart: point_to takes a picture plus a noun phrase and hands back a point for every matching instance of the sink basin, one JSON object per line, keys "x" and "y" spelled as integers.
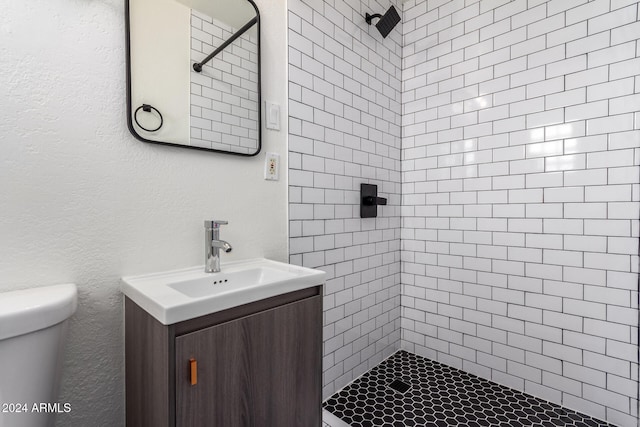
{"x": 178, "y": 295}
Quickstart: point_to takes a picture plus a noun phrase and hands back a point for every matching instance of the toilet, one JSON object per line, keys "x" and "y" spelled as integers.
{"x": 33, "y": 326}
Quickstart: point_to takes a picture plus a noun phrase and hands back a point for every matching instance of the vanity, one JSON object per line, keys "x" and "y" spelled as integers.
{"x": 242, "y": 347}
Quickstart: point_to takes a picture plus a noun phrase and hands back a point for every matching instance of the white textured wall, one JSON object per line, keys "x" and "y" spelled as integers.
{"x": 83, "y": 201}
{"x": 520, "y": 151}
{"x": 344, "y": 130}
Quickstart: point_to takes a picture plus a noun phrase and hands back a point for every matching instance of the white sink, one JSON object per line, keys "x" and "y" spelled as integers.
{"x": 178, "y": 295}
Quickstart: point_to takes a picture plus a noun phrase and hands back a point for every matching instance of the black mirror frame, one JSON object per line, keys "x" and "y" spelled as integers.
{"x": 130, "y": 107}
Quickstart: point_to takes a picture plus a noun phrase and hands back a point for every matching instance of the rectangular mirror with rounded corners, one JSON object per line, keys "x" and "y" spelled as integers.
{"x": 193, "y": 74}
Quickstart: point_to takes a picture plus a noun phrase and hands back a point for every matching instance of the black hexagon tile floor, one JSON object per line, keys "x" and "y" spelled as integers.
{"x": 409, "y": 390}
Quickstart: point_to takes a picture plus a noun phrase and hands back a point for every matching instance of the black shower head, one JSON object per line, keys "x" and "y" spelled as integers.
{"x": 386, "y": 22}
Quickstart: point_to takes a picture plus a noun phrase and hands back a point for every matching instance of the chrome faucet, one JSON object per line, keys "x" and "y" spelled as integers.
{"x": 212, "y": 246}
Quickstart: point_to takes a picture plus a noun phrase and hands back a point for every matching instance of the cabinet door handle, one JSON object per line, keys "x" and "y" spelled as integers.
{"x": 193, "y": 365}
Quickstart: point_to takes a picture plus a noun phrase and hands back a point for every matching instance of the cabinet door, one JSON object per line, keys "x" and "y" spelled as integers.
{"x": 263, "y": 370}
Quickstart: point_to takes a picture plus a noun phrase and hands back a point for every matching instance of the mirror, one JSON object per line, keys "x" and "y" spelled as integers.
{"x": 193, "y": 74}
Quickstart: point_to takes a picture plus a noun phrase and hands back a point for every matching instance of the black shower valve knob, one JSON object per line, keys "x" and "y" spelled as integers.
{"x": 371, "y": 201}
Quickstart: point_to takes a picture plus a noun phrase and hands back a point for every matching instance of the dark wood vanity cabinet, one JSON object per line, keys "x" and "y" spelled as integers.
{"x": 257, "y": 365}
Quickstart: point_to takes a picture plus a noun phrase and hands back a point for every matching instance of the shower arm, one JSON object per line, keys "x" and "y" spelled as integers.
{"x": 368, "y": 17}
{"x": 198, "y": 65}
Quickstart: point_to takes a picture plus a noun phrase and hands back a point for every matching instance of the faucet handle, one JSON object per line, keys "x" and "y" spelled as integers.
{"x": 214, "y": 223}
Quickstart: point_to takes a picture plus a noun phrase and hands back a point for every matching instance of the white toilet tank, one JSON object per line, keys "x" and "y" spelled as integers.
{"x": 32, "y": 330}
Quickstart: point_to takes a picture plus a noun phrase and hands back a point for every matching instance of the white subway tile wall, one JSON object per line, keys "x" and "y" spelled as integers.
{"x": 520, "y": 195}
{"x": 344, "y": 130}
{"x": 224, "y": 96}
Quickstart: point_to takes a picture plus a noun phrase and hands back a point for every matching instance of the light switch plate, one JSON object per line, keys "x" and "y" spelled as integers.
{"x": 272, "y": 113}
{"x": 272, "y": 167}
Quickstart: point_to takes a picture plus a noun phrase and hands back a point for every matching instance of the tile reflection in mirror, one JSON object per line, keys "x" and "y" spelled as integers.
{"x": 224, "y": 96}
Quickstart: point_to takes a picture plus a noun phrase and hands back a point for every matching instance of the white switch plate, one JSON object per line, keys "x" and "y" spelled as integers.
{"x": 272, "y": 113}
{"x": 272, "y": 167}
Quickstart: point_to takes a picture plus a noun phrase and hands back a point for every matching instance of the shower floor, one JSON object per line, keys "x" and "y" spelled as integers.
{"x": 440, "y": 396}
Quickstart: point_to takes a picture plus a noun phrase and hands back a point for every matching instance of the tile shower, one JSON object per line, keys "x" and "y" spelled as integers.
{"x": 344, "y": 129}
{"x": 506, "y": 136}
